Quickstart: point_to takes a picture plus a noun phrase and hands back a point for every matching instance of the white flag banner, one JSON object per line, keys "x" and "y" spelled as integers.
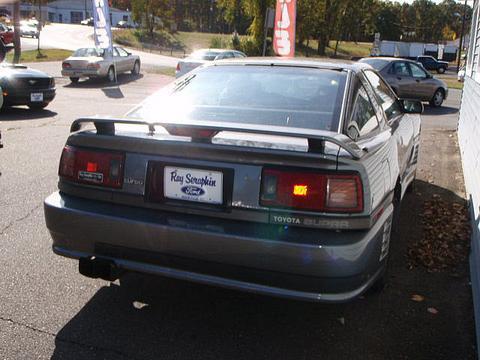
{"x": 102, "y": 26}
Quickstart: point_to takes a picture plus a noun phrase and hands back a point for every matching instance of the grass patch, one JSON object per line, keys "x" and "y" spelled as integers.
{"x": 346, "y": 49}
{"x": 452, "y": 82}
{"x": 45, "y": 55}
{"x": 167, "y": 71}
{"x": 186, "y": 42}
{"x": 196, "y": 40}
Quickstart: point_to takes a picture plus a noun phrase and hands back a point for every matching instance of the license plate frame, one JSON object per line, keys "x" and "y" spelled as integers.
{"x": 192, "y": 184}
{"x": 36, "y": 97}
{"x": 155, "y": 188}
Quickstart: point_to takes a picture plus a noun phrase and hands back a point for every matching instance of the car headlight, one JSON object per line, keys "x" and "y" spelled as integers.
{"x": 52, "y": 82}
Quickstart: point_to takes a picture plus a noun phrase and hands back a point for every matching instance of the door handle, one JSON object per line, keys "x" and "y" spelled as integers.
{"x": 399, "y": 78}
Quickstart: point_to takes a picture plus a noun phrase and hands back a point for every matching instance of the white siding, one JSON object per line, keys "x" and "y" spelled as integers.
{"x": 469, "y": 140}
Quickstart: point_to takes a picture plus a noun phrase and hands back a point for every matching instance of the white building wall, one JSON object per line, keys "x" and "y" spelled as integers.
{"x": 469, "y": 141}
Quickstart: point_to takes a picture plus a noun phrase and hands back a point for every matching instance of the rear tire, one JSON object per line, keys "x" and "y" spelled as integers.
{"x": 380, "y": 283}
{"x": 111, "y": 74}
{"x": 437, "y": 99}
{"x": 136, "y": 68}
{"x": 441, "y": 70}
{"x": 74, "y": 80}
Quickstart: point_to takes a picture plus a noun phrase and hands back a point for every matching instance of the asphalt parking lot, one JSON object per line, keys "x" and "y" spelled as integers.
{"x": 47, "y": 310}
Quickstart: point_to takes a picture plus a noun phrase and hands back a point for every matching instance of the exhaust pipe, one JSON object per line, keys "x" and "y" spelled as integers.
{"x": 98, "y": 268}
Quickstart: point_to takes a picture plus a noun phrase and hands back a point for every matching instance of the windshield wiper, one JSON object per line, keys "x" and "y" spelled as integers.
{"x": 184, "y": 83}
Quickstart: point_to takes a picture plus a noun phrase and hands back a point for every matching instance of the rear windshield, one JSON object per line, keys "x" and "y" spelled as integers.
{"x": 268, "y": 95}
{"x": 205, "y": 55}
{"x": 377, "y": 64}
{"x": 87, "y": 52}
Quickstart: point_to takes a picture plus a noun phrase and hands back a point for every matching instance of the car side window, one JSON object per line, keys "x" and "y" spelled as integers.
{"x": 417, "y": 71}
{"x": 115, "y": 52}
{"x": 363, "y": 118}
{"x": 239, "y": 54}
{"x": 385, "y": 97}
{"x": 400, "y": 68}
{"x": 227, "y": 55}
{"x": 122, "y": 52}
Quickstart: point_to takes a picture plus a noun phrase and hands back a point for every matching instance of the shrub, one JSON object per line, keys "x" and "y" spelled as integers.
{"x": 219, "y": 42}
{"x": 249, "y": 46}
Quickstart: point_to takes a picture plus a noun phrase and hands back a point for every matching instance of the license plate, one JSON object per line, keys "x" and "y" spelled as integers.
{"x": 193, "y": 185}
{"x": 36, "y": 97}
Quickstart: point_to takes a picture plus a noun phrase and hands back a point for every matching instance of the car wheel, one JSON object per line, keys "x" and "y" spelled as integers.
{"x": 437, "y": 99}
{"x": 136, "y": 68}
{"x": 441, "y": 70}
{"x": 39, "y": 106}
{"x": 111, "y": 74}
{"x": 74, "y": 80}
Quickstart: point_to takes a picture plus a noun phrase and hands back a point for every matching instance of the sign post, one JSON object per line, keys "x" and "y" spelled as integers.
{"x": 103, "y": 30}
{"x": 284, "y": 32}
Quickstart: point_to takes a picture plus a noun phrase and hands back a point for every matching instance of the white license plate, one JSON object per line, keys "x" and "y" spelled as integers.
{"x": 193, "y": 185}
{"x": 36, "y": 97}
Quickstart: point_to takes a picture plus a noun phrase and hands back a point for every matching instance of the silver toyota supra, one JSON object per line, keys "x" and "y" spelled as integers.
{"x": 278, "y": 177}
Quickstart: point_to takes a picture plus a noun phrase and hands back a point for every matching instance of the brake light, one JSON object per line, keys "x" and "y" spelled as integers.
{"x": 199, "y": 134}
{"x": 66, "y": 65}
{"x": 101, "y": 168}
{"x": 312, "y": 191}
{"x": 178, "y": 67}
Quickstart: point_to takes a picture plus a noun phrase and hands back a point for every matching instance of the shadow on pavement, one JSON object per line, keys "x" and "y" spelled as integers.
{"x": 179, "y": 320}
{"x": 103, "y": 83}
{"x": 443, "y": 110}
{"x": 24, "y": 113}
{"x": 113, "y": 93}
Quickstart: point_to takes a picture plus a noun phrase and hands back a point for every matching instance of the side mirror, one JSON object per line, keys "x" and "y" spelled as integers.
{"x": 429, "y": 76}
{"x": 412, "y": 106}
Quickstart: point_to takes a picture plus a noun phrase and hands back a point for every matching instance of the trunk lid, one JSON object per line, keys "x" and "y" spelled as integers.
{"x": 221, "y": 179}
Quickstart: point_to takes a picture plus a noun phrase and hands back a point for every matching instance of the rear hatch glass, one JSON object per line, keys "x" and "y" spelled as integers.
{"x": 285, "y": 96}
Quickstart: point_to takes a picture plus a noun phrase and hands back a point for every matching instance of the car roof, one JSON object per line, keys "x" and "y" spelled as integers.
{"x": 388, "y": 58}
{"x": 297, "y": 62}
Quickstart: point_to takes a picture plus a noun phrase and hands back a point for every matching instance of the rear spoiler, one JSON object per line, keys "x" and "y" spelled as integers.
{"x": 316, "y": 138}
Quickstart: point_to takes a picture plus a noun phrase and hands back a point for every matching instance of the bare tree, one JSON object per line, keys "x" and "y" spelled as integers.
{"x": 16, "y": 35}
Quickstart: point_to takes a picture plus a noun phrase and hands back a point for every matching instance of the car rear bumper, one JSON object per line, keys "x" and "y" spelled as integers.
{"x": 83, "y": 73}
{"x": 23, "y": 97}
{"x": 314, "y": 265}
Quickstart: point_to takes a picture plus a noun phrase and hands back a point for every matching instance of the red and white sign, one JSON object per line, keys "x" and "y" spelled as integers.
{"x": 284, "y": 31}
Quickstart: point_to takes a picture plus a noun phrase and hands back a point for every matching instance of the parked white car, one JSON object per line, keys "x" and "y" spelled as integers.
{"x": 203, "y": 56}
{"x": 94, "y": 62}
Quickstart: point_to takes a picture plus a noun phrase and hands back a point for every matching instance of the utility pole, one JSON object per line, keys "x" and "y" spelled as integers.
{"x": 16, "y": 32}
{"x": 39, "y": 26}
{"x": 461, "y": 36}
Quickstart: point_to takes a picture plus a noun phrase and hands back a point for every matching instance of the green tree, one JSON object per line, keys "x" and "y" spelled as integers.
{"x": 151, "y": 13}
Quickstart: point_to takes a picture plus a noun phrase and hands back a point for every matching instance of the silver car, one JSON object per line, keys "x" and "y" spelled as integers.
{"x": 205, "y": 56}
{"x": 409, "y": 79}
{"x": 93, "y": 62}
{"x": 279, "y": 177}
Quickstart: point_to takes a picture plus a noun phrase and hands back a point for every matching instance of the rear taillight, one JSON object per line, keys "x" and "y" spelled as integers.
{"x": 66, "y": 65}
{"x": 101, "y": 168}
{"x": 312, "y": 191}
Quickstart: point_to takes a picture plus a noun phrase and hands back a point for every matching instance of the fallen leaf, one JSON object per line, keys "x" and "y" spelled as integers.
{"x": 432, "y": 310}
{"x": 417, "y": 298}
